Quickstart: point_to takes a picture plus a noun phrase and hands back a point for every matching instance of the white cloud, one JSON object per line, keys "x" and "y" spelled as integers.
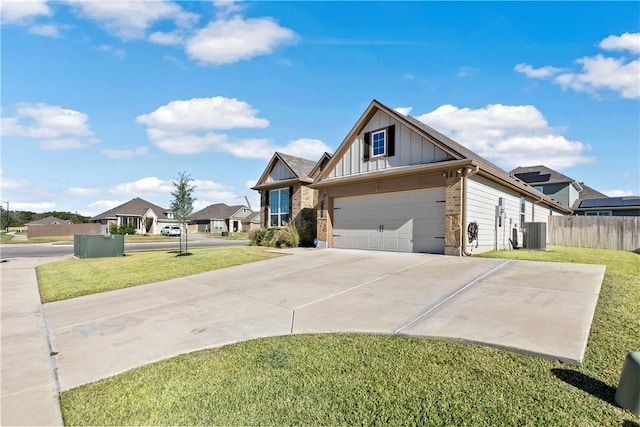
{"x": 618, "y": 193}
{"x": 508, "y": 135}
{"x": 203, "y": 114}
{"x": 627, "y": 41}
{"x": 144, "y": 186}
{"x": 405, "y": 111}
{"x": 13, "y": 184}
{"x": 131, "y": 19}
{"x": 22, "y": 12}
{"x": 45, "y": 30}
{"x": 537, "y": 73}
{"x": 57, "y": 128}
{"x": 620, "y": 75}
{"x": 236, "y": 39}
{"x": 306, "y": 148}
{"x": 124, "y": 154}
{"x": 600, "y": 72}
{"x": 83, "y": 192}
{"x": 226, "y": 8}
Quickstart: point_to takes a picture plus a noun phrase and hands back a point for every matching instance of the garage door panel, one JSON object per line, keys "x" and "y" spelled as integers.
{"x": 406, "y": 221}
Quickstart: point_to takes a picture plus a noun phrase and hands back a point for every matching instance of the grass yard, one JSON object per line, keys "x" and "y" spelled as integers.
{"x": 77, "y": 277}
{"x": 356, "y": 379}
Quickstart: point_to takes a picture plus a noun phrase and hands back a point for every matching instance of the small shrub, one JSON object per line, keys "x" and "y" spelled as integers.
{"x": 288, "y": 237}
{"x": 122, "y": 229}
{"x": 261, "y": 237}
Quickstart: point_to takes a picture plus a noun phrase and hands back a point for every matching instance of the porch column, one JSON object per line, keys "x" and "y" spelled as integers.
{"x": 453, "y": 214}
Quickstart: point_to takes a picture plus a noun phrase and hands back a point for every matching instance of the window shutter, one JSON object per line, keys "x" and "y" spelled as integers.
{"x": 290, "y": 202}
{"x": 367, "y": 144}
{"x": 391, "y": 141}
{"x": 267, "y": 218}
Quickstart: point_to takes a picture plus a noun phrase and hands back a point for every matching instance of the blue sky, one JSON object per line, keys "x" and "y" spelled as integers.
{"x": 106, "y": 101}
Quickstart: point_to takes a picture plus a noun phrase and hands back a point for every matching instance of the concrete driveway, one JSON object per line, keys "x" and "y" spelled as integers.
{"x": 543, "y": 309}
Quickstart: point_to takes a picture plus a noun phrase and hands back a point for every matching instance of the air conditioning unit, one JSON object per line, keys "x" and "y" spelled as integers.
{"x": 535, "y": 235}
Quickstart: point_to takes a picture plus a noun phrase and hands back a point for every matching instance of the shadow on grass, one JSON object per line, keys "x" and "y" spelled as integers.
{"x": 628, "y": 423}
{"x": 584, "y": 382}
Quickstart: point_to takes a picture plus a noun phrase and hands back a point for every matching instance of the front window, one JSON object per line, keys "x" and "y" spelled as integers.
{"x": 279, "y": 206}
{"x": 523, "y": 210}
{"x": 218, "y": 225}
{"x": 378, "y": 143}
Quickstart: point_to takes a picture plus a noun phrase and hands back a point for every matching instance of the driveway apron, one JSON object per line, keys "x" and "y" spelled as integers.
{"x": 543, "y": 309}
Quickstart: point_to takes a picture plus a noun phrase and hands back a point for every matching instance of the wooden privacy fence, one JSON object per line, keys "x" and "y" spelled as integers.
{"x": 62, "y": 229}
{"x": 599, "y": 232}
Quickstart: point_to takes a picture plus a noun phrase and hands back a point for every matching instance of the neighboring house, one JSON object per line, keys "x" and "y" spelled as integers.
{"x": 396, "y": 184}
{"x": 609, "y": 206}
{"x": 220, "y": 217}
{"x": 50, "y": 220}
{"x": 146, "y": 217}
{"x": 252, "y": 222}
{"x": 581, "y": 198}
{"x": 285, "y": 193}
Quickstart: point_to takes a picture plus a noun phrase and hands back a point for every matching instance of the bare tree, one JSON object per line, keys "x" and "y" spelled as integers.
{"x": 182, "y": 205}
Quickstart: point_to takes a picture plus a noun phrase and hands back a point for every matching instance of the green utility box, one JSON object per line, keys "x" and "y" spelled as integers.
{"x": 628, "y": 392}
{"x": 98, "y": 246}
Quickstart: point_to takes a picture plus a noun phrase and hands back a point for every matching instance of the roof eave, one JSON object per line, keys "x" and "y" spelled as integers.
{"x": 281, "y": 184}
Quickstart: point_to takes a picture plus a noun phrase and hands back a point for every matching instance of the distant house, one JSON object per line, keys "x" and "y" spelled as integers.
{"x": 146, "y": 217}
{"x": 50, "y": 220}
{"x": 578, "y": 196}
{"x": 220, "y": 217}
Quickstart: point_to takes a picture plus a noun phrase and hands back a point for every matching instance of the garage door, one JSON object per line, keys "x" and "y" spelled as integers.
{"x": 403, "y": 221}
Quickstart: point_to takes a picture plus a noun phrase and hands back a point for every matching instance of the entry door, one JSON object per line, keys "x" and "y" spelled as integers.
{"x": 403, "y": 221}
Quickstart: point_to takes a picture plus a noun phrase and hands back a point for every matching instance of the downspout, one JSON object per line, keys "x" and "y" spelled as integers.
{"x": 463, "y": 235}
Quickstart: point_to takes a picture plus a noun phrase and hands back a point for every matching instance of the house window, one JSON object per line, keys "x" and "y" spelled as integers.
{"x": 523, "y": 209}
{"x": 539, "y": 188}
{"x": 378, "y": 143}
{"x": 279, "y": 206}
{"x": 218, "y": 225}
{"x": 598, "y": 213}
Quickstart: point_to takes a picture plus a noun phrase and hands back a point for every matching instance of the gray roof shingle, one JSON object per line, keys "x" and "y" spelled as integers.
{"x": 300, "y": 167}
{"x": 134, "y": 207}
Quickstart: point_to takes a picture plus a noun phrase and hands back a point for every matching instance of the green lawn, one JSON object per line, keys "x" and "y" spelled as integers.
{"x": 356, "y": 379}
{"x": 77, "y": 277}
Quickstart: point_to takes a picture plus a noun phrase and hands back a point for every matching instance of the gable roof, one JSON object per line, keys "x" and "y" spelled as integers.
{"x": 50, "y": 220}
{"x": 460, "y": 157}
{"x": 216, "y": 211}
{"x": 300, "y": 168}
{"x": 134, "y": 207}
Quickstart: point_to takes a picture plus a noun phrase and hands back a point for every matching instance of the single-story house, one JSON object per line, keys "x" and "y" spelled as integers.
{"x": 581, "y": 198}
{"x": 146, "y": 217}
{"x": 50, "y": 220}
{"x": 285, "y": 193}
{"x": 396, "y": 184}
{"x": 220, "y": 217}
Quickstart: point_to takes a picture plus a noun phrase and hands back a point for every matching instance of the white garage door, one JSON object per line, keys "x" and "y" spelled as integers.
{"x": 404, "y": 221}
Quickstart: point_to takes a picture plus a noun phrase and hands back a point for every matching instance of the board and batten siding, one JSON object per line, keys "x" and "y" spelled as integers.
{"x": 482, "y": 199}
{"x": 410, "y": 149}
{"x": 279, "y": 173}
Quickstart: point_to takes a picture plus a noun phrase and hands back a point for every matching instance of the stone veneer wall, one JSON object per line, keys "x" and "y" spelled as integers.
{"x": 453, "y": 215}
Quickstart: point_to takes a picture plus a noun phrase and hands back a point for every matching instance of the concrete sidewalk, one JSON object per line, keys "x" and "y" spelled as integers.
{"x": 29, "y": 386}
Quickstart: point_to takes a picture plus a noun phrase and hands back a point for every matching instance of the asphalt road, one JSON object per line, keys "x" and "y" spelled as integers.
{"x": 44, "y": 250}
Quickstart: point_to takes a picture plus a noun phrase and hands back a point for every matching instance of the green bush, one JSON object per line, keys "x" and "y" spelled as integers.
{"x": 286, "y": 237}
{"x": 122, "y": 229}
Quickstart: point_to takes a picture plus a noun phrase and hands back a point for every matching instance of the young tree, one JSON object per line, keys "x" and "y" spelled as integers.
{"x": 182, "y": 204}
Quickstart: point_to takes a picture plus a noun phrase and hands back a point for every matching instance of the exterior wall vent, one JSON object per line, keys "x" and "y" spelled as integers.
{"x": 535, "y": 235}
